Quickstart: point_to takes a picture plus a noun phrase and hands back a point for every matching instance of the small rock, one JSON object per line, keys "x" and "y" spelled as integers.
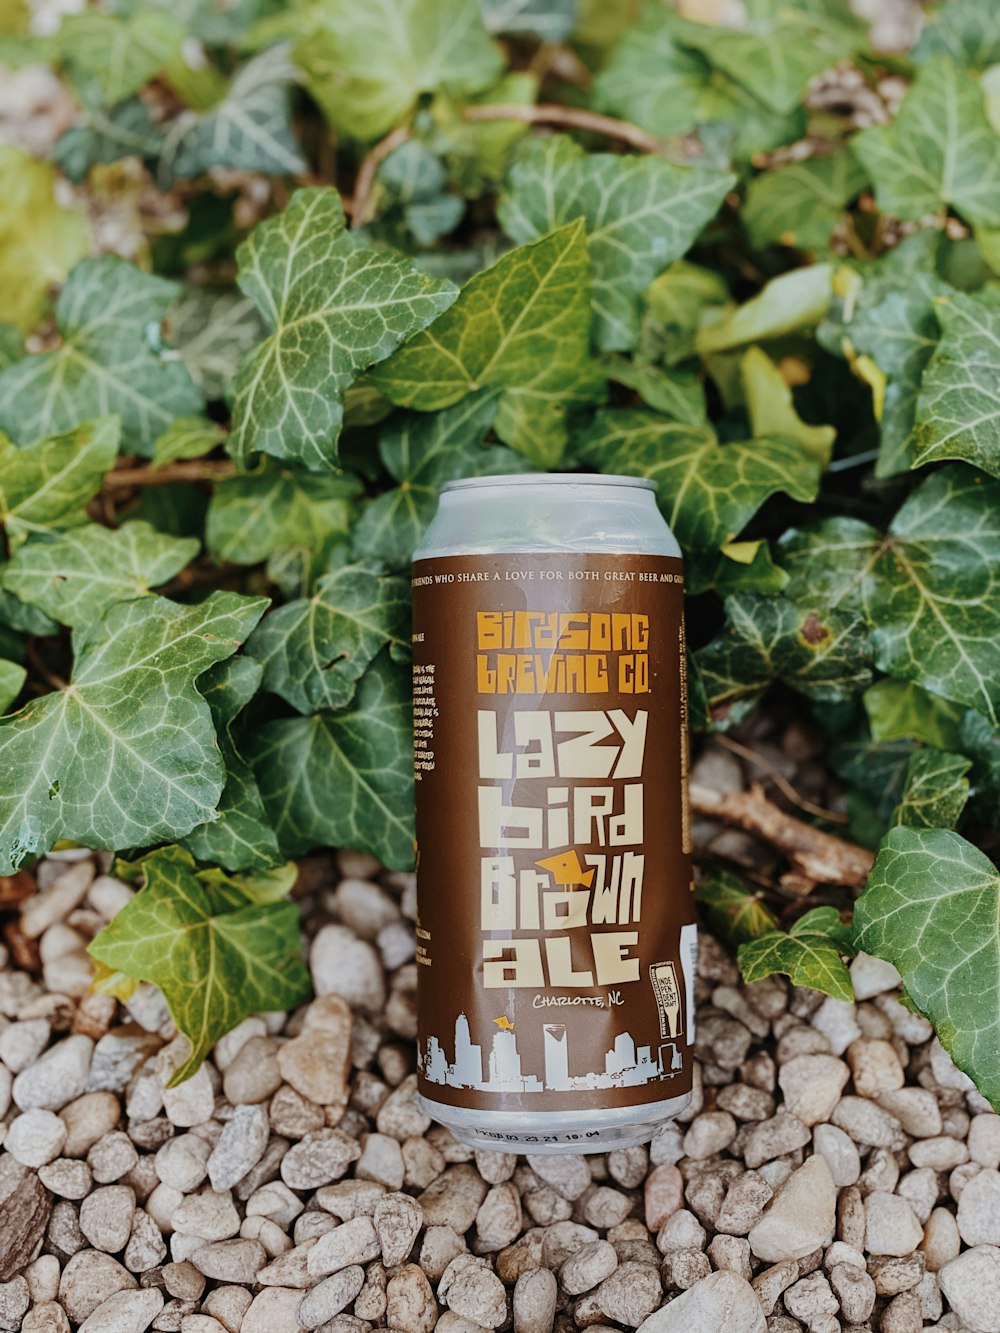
{"x": 710, "y": 1133}
{"x": 240, "y": 1147}
{"x": 588, "y": 1267}
{"x": 191, "y": 1102}
{"x": 47, "y": 1317}
{"x": 534, "y": 1301}
{"x": 208, "y": 1214}
{"x": 182, "y": 1162}
{"x": 125, "y": 1312}
{"x": 681, "y": 1231}
{"x": 410, "y": 1303}
{"x": 272, "y": 1310}
{"x": 88, "y": 1119}
{"x": 354, "y": 1242}
{"x": 319, "y": 1158}
{"x": 891, "y": 1227}
{"x": 117, "y": 1057}
{"x": 942, "y": 1153}
{"x": 978, "y": 1209}
{"x": 810, "y": 1299}
{"x": 253, "y": 1075}
{"x": 855, "y": 1291}
{"x": 630, "y": 1295}
{"x": 36, "y": 1138}
{"x": 867, "y": 1123}
{"x": 841, "y": 1153}
{"x": 343, "y": 965}
{"x": 398, "y": 1220}
{"x": 837, "y": 1021}
{"x": 401, "y": 1116}
{"x": 499, "y": 1219}
{"x": 230, "y": 1305}
{"x": 663, "y": 1194}
{"x": 971, "y": 1285}
{"x": 330, "y": 1296}
{"x": 106, "y": 1217}
{"x": 453, "y": 1199}
{"x": 471, "y": 1289}
{"x": 68, "y": 1179}
{"x": 145, "y": 1248}
{"x": 57, "y": 1078}
{"x": 44, "y": 909}
{"x": 941, "y": 1242}
{"x": 568, "y": 1175}
{"x": 22, "y": 1043}
{"x": 916, "y": 1109}
{"x": 984, "y": 1140}
{"x": 88, "y": 1280}
{"x": 719, "y": 1303}
{"x": 184, "y": 1281}
{"x": 812, "y": 1085}
{"x": 15, "y": 1298}
{"x": 112, "y": 1157}
{"x": 230, "y": 1260}
{"x": 771, "y": 1282}
{"x": 871, "y": 976}
{"x": 800, "y": 1217}
{"x": 317, "y": 1062}
{"x": 769, "y": 1139}
{"x": 381, "y": 1160}
{"x": 42, "y": 1278}
{"x": 604, "y": 1207}
{"x": 682, "y": 1269}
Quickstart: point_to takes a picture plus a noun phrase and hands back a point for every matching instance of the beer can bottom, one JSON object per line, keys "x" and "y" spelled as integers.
{"x": 554, "y": 1131}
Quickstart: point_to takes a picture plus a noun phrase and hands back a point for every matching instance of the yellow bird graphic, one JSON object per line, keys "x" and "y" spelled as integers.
{"x": 504, "y": 1023}
{"x": 567, "y": 870}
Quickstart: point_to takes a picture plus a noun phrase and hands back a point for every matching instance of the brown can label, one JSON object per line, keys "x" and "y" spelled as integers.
{"x": 555, "y": 935}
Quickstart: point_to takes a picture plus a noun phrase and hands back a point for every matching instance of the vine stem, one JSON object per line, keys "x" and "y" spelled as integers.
{"x": 815, "y": 857}
{"x": 370, "y": 163}
{"x": 197, "y": 469}
{"x": 547, "y": 113}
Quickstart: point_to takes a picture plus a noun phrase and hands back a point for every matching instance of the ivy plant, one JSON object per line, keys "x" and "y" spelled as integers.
{"x": 365, "y": 250}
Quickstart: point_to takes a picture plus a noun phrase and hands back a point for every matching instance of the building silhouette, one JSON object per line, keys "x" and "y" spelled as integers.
{"x": 625, "y": 1065}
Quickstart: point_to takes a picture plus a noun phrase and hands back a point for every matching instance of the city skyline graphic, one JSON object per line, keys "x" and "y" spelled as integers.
{"x": 625, "y": 1065}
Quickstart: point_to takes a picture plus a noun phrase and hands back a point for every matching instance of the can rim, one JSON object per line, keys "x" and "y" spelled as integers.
{"x": 550, "y": 478}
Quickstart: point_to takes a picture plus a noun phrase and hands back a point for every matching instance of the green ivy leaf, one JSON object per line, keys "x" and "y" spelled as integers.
{"x": 334, "y": 307}
{"x": 810, "y": 953}
{"x": 276, "y": 508}
{"x": 708, "y": 491}
{"x": 897, "y": 324}
{"x": 959, "y": 407}
{"x": 75, "y": 577}
{"x": 239, "y": 837}
{"x": 12, "y": 678}
{"x": 111, "y": 359}
{"x": 343, "y": 779}
{"x": 677, "y": 303}
{"x": 421, "y": 451}
{"x": 90, "y": 762}
{"x": 216, "y": 955}
{"x": 11, "y": 345}
{"x": 738, "y": 567}
{"x": 936, "y": 790}
{"x": 962, "y": 29}
{"x": 522, "y": 325}
{"x": 657, "y": 81}
{"x": 107, "y": 135}
{"x": 925, "y": 588}
{"x": 732, "y": 911}
{"x": 44, "y": 487}
{"x": 901, "y": 710}
{"x": 367, "y": 64}
{"x": 679, "y": 395}
{"x": 118, "y": 55}
{"x": 939, "y": 152}
{"x": 877, "y": 769}
{"x": 39, "y": 241}
{"x": 932, "y": 908}
{"x": 315, "y": 649}
{"x": 415, "y": 180}
{"x": 213, "y": 331}
{"x": 248, "y": 130}
{"x": 187, "y": 437}
{"x": 824, "y": 655}
{"x": 771, "y": 408}
{"x": 787, "y": 304}
{"x": 800, "y": 205}
{"x": 641, "y": 213}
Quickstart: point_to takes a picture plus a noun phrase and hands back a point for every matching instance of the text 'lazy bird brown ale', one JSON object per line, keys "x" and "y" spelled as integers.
{"x": 555, "y": 935}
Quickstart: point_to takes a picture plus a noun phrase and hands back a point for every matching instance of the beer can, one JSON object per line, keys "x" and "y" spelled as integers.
{"x": 556, "y": 942}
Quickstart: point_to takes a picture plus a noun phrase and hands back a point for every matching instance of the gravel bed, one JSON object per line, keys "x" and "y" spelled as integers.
{"x": 835, "y": 1171}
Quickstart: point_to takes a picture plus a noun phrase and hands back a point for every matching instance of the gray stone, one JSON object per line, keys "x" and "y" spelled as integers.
{"x": 588, "y": 1267}
{"x": 534, "y": 1301}
{"x": 209, "y": 1213}
{"x": 812, "y": 1085}
{"x": 471, "y": 1289}
{"x": 978, "y": 1209}
{"x": 318, "y": 1158}
{"x": 352, "y": 1243}
{"x": 630, "y": 1295}
{"x": 398, "y": 1220}
{"x": 191, "y": 1102}
{"x": 891, "y": 1227}
{"x": 341, "y": 964}
{"x": 230, "y": 1260}
{"x": 971, "y": 1285}
{"x": 330, "y": 1296}
{"x": 410, "y": 1303}
{"x": 106, "y": 1217}
{"x": 57, "y": 1078}
{"x": 240, "y": 1147}
{"x": 36, "y": 1138}
{"x": 125, "y": 1312}
{"x": 15, "y": 1298}
{"x": 88, "y": 1280}
{"x": 22, "y": 1043}
{"x": 801, "y": 1216}
{"x": 182, "y": 1162}
{"x": 854, "y": 1290}
{"x": 720, "y": 1303}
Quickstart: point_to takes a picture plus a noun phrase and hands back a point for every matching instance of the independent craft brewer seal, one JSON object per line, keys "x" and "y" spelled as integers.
{"x": 555, "y": 935}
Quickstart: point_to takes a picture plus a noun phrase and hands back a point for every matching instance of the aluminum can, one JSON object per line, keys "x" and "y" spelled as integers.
{"x": 556, "y": 943}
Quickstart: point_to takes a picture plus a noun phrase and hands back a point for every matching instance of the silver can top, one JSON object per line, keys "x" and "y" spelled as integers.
{"x": 550, "y": 478}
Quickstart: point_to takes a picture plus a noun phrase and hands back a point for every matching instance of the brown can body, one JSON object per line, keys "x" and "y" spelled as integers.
{"x": 555, "y": 931}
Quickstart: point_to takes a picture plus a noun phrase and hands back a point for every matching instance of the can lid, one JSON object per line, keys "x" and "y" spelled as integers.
{"x": 551, "y": 479}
